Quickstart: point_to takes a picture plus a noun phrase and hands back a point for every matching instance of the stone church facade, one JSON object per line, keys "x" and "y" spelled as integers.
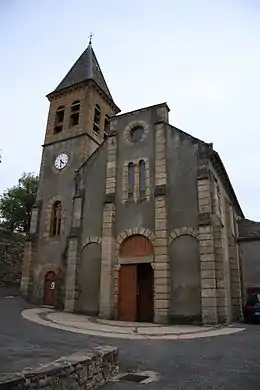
{"x": 134, "y": 219}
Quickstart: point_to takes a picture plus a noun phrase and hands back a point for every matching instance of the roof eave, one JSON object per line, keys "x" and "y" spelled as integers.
{"x": 82, "y": 84}
{"x": 233, "y": 194}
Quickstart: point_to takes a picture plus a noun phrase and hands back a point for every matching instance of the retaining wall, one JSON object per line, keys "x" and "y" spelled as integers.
{"x": 76, "y": 372}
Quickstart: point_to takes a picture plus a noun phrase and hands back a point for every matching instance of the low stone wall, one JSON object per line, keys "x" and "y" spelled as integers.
{"x": 11, "y": 256}
{"x": 76, "y": 372}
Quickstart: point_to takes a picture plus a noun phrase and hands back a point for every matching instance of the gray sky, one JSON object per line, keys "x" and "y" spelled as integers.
{"x": 201, "y": 57}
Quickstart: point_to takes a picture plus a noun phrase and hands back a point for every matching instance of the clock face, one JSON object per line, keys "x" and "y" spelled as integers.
{"x": 61, "y": 161}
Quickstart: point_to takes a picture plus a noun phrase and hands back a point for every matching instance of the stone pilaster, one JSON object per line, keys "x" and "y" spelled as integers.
{"x": 107, "y": 263}
{"x": 234, "y": 264}
{"x": 106, "y": 300}
{"x": 161, "y": 257}
{"x": 73, "y": 256}
{"x": 206, "y": 245}
{"x": 222, "y": 271}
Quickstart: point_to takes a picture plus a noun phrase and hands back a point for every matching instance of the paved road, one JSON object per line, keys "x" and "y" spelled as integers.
{"x": 25, "y": 344}
{"x": 226, "y": 362}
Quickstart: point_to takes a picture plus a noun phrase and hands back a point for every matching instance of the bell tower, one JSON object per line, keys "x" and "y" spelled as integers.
{"x": 78, "y": 122}
{"x": 81, "y": 104}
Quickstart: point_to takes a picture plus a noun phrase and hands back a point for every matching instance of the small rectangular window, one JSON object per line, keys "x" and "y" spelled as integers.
{"x": 106, "y": 127}
{"x": 57, "y": 129}
{"x": 74, "y": 113}
{"x": 97, "y": 115}
{"x": 59, "y": 116}
{"x": 96, "y": 128}
{"x": 75, "y": 107}
{"x": 74, "y": 119}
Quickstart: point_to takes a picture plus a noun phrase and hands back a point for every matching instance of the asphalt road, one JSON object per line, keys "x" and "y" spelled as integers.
{"x": 226, "y": 362}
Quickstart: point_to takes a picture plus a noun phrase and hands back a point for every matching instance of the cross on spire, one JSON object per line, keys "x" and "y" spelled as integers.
{"x": 90, "y": 38}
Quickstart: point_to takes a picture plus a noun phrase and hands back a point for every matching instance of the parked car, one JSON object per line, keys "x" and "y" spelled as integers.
{"x": 251, "y": 309}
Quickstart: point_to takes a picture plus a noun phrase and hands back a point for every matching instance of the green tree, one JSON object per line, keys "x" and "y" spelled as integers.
{"x": 16, "y": 203}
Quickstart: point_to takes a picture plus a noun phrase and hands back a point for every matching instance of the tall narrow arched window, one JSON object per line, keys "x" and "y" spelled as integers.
{"x": 59, "y": 117}
{"x": 56, "y": 216}
{"x": 97, "y": 115}
{"x": 74, "y": 113}
{"x": 131, "y": 180}
{"x": 142, "y": 179}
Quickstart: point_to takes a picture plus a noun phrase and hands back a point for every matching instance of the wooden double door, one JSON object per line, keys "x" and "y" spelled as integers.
{"x": 136, "y": 292}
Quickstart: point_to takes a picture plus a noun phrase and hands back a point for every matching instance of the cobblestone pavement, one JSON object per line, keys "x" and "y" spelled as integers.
{"x": 229, "y": 362}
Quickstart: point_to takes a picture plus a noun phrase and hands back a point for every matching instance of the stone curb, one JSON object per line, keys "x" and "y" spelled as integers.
{"x": 40, "y": 316}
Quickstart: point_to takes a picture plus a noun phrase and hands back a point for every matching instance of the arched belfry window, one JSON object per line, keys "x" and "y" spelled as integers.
{"x": 142, "y": 179}
{"x": 97, "y": 115}
{"x": 131, "y": 180}
{"x": 56, "y": 216}
{"x": 59, "y": 117}
{"x": 74, "y": 113}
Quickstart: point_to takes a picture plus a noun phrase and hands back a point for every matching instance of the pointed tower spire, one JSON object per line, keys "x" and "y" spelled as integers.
{"x": 85, "y": 68}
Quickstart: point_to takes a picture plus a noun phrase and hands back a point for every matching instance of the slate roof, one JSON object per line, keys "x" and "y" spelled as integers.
{"x": 85, "y": 68}
{"x": 248, "y": 230}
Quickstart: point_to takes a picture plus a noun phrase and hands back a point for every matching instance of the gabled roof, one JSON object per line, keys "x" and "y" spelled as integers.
{"x": 85, "y": 68}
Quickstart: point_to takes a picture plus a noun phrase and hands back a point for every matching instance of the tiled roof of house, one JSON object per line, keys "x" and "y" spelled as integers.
{"x": 248, "y": 230}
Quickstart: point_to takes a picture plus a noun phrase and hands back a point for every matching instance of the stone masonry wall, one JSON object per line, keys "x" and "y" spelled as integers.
{"x": 108, "y": 241}
{"x": 11, "y": 256}
{"x": 161, "y": 257}
{"x": 76, "y": 372}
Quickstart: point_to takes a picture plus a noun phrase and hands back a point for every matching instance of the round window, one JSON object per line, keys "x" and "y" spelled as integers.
{"x": 136, "y": 133}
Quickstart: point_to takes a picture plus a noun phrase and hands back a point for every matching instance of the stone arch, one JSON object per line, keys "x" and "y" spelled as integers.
{"x": 117, "y": 265}
{"x": 136, "y": 245}
{"x": 91, "y": 240}
{"x": 49, "y": 267}
{"x": 183, "y": 230}
{"x": 48, "y": 212}
{"x": 130, "y": 232}
{"x": 185, "y": 287}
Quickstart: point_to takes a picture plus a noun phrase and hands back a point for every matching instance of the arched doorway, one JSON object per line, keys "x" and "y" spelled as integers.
{"x": 50, "y": 289}
{"x": 135, "y": 302}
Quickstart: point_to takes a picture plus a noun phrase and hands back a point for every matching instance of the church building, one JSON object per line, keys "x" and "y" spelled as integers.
{"x": 135, "y": 220}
